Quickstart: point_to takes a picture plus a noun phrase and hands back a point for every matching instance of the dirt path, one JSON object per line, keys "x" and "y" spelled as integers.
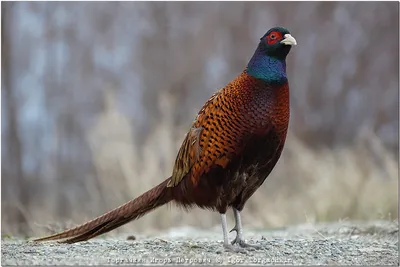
{"x": 370, "y": 243}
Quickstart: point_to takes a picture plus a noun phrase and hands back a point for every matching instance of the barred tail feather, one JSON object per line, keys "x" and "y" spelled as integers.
{"x": 134, "y": 209}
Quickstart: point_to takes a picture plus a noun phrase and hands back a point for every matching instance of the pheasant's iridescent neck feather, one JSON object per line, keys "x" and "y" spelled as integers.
{"x": 267, "y": 68}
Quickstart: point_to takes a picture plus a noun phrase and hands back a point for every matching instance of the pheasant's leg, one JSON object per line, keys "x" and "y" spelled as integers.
{"x": 239, "y": 232}
{"x": 228, "y": 245}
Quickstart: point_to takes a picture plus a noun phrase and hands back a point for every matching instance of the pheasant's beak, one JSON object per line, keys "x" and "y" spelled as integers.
{"x": 289, "y": 40}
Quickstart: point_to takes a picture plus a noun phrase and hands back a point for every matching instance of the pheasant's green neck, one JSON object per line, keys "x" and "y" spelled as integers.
{"x": 268, "y": 68}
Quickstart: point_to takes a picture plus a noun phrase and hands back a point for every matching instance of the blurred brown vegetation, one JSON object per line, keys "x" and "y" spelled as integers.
{"x": 97, "y": 96}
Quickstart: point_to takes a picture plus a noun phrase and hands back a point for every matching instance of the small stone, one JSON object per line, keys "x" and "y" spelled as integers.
{"x": 131, "y": 237}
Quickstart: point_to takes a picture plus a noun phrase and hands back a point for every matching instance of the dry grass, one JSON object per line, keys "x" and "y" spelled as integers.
{"x": 307, "y": 186}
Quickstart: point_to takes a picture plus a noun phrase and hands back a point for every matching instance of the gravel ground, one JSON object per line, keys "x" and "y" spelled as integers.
{"x": 372, "y": 243}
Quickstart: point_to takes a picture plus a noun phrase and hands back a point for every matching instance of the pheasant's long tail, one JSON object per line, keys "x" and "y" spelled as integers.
{"x": 134, "y": 209}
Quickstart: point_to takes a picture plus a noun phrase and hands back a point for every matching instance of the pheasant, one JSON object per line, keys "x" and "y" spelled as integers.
{"x": 232, "y": 146}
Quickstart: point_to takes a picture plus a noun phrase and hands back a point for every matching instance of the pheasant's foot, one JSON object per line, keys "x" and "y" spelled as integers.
{"x": 233, "y": 248}
{"x": 243, "y": 244}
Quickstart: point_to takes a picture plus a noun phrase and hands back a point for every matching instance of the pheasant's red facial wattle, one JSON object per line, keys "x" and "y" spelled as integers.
{"x": 273, "y": 37}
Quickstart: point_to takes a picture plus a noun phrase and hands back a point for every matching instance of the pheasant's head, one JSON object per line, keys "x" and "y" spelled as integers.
{"x": 268, "y": 61}
{"x": 277, "y": 42}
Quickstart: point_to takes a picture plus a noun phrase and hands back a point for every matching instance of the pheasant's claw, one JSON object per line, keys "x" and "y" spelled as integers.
{"x": 234, "y": 241}
{"x": 237, "y": 240}
{"x": 235, "y": 249}
{"x": 243, "y": 244}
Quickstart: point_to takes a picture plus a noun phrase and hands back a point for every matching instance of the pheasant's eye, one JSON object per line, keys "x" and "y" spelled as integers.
{"x": 273, "y": 37}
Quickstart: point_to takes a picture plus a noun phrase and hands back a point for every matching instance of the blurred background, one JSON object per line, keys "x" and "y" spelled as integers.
{"x": 96, "y": 98}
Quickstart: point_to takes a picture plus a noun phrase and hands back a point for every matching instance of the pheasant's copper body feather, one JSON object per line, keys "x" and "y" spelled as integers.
{"x": 230, "y": 149}
{"x": 239, "y": 128}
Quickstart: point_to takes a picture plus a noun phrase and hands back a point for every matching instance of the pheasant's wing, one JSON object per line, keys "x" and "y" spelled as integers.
{"x": 188, "y": 154}
{"x": 215, "y": 137}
